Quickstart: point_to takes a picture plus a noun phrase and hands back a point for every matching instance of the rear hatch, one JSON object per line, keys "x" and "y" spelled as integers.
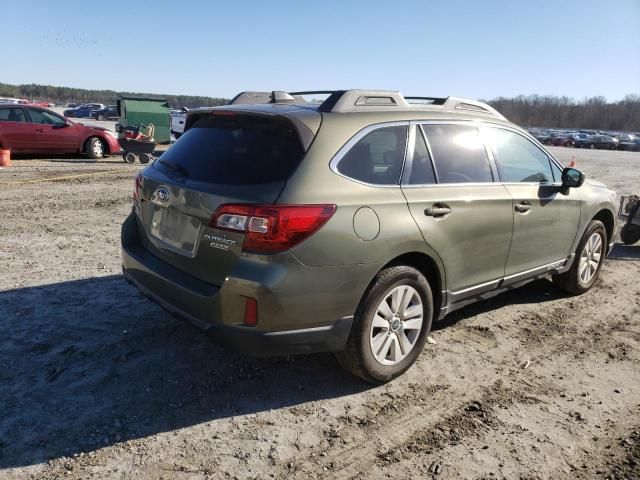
{"x": 224, "y": 157}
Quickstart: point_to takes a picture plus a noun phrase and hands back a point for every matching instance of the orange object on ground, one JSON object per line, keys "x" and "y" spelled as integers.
{"x": 5, "y": 158}
{"x": 572, "y": 163}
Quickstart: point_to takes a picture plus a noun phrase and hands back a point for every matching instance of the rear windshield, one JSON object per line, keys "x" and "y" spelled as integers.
{"x": 236, "y": 150}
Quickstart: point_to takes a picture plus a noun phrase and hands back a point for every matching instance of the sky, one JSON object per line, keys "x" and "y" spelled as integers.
{"x": 476, "y": 49}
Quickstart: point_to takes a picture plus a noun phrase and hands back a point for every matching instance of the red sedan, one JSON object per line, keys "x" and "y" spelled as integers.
{"x": 30, "y": 129}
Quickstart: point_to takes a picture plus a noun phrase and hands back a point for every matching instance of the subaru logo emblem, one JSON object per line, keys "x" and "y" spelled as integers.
{"x": 161, "y": 195}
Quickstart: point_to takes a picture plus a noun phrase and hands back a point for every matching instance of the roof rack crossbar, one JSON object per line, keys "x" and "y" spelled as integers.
{"x": 313, "y": 92}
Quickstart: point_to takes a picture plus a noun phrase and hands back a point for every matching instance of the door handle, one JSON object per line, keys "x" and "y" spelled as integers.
{"x": 41, "y": 130}
{"x": 522, "y": 207}
{"x": 437, "y": 210}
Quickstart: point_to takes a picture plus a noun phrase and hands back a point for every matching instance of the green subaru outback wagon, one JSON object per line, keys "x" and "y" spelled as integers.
{"x": 349, "y": 221}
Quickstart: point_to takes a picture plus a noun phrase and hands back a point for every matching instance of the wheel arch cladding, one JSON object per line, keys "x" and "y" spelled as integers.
{"x": 606, "y": 217}
{"x": 429, "y": 268}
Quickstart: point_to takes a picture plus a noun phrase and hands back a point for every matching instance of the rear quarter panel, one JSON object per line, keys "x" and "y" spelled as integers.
{"x": 337, "y": 243}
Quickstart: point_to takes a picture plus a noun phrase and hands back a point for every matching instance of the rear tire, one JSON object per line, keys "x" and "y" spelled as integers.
{"x": 95, "y": 148}
{"x": 388, "y": 333}
{"x": 144, "y": 158}
{"x": 587, "y": 263}
{"x": 630, "y": 234}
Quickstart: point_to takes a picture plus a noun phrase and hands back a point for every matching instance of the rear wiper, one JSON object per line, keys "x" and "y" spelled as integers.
{"x": 174, "y": 166}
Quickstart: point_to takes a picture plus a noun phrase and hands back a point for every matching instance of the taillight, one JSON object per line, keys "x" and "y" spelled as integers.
{"x": 271, "y": 228}
{"x": 137, "y": 190}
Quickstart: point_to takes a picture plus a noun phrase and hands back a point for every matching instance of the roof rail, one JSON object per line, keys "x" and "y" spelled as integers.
{"x": 457, "y": 103}
{"x": 375, "y": 100}
{"x": 426, "y": 100}
{"x": 344, "y": 101}
{"x": 262, "y": 97}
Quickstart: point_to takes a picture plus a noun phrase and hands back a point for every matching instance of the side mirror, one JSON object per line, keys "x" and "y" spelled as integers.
{"x": 572, "y": 177}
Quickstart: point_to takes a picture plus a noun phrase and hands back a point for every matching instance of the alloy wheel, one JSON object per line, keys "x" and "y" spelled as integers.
{"x": 590, "y": 258}
{"x": 97, "y": 148}
{"x": 396, "y": 325}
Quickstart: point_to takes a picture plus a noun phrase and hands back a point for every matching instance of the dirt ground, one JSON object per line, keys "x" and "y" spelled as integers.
{"x": 98, "y": 382}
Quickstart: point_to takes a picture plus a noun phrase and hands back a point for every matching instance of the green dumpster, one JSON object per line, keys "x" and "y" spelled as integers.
{"x": 134, "y": 111}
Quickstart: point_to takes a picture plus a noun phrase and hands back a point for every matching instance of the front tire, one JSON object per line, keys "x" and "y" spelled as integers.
{"x": 587, "y": 263}
{"x": 95, "y": 148}
{"x": 390, "y": 327}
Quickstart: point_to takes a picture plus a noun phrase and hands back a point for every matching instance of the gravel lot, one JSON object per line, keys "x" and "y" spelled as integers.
{"x": 97, "y": 382}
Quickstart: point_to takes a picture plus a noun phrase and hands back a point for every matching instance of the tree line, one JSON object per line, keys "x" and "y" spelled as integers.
{"x": 529, "y": 111}
{"x": 63, "y": 95}
{"x": 564, "y": 112}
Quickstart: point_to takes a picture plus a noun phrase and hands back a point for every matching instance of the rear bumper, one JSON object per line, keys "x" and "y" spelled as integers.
{"x": 283, "y": 328}
{"x": 330, "y": 338}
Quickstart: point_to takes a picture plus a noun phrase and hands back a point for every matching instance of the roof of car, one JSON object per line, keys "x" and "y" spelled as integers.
{"x": 359, "y": 116}
{"x": 355, "y": 109}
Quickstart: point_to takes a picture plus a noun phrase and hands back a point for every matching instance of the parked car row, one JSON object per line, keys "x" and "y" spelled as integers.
{"x": 588, "y": 139}
{"x": 23, "y": 101}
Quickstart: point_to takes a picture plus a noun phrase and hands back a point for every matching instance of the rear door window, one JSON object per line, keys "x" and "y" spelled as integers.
{"x": 378, "y": 157}
{"x": 517, "y": 158}
{"x": 45, "y": 118}
{"x": 458, "y": 154}
{"x": 236, "y": 150}
{"x": 12, "y": 115}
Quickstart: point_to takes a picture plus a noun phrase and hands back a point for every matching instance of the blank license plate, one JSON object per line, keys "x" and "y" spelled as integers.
{"x": 175, "y": 229}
